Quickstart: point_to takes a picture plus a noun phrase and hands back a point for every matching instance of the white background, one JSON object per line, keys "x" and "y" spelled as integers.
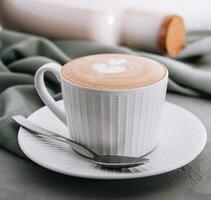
{"x": 197, "y": 13}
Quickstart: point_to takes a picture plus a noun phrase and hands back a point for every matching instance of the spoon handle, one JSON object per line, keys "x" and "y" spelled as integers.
{"x": 21, "y": 120}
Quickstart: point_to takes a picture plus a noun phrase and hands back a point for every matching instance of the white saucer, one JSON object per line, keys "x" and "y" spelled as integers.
{"x": 182, "y": 138}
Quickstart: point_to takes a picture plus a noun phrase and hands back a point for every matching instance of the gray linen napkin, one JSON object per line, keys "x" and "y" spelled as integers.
{"x": 22, "y": 54}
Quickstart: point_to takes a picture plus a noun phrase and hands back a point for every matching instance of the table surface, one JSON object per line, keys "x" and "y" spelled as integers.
{"x": 22, "y": 179}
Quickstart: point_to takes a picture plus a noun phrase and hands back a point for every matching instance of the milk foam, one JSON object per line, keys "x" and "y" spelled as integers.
{"x": 113, "y": 71}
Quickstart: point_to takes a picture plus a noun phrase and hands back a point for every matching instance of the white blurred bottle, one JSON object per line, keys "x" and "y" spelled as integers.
{"x": 132, "y": 27}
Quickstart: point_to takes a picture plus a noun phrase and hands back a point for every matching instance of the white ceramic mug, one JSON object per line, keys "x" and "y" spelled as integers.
{"x": 118, "y": 122}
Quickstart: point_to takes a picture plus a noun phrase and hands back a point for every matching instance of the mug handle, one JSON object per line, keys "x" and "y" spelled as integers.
{"x": 43, "y": 92}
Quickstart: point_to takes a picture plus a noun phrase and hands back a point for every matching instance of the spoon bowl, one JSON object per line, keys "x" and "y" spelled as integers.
{"x": 113, "y": 161}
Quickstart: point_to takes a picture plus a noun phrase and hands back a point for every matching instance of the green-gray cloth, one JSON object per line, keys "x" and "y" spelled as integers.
{"x": 21, "y": 55}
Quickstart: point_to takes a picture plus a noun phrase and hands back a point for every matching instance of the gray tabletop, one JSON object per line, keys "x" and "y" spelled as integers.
{"x": 21, "y": 179}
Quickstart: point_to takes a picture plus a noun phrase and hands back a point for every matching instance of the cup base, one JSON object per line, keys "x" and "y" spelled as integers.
{"x": 88, "y": 156}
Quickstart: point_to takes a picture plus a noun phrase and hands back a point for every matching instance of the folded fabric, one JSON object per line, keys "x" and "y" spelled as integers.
{"x": 22, "y": 54}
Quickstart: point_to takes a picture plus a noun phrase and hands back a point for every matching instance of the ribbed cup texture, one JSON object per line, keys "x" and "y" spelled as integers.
{"x": 116, "y": 122}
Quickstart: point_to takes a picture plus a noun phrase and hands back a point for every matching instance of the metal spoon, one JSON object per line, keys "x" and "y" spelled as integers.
{"x": 109, "y": 161}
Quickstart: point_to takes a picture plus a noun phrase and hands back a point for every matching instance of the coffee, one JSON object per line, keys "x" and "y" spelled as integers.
{"x": 113, "y": 71}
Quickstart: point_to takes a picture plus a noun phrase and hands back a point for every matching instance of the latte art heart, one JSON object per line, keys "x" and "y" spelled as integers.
{"x": 115, "y": 61}
{"x": 108, "y": 69}
{"x": 113, "y": 66}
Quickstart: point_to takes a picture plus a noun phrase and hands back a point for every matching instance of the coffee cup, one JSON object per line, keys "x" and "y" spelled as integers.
{"x": 113, "y": 102}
